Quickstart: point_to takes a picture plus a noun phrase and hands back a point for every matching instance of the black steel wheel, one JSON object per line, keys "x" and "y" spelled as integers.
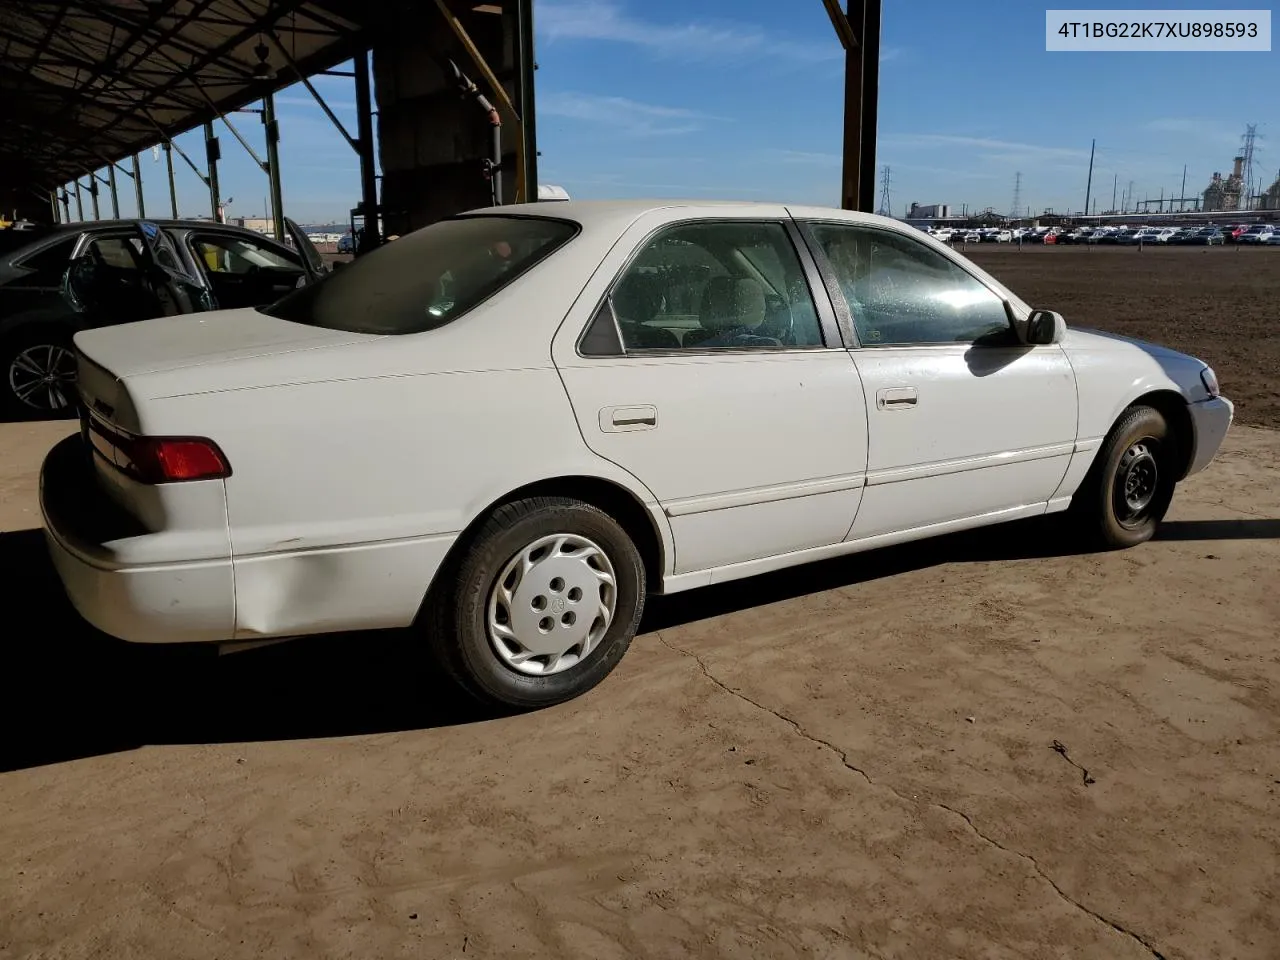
{"x": 1128, "y": 490}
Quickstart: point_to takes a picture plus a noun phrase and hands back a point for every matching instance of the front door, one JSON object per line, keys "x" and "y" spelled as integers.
{"x": 246, "y": 271}
{"x": 964, "y": 419}
{"x": 708, "y": 371}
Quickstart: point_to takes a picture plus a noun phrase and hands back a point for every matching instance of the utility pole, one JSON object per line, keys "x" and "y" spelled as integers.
{"x": 1183, "y": 192}
{"x": 1088, "y": 189}
{"x": 1017, "y": 195}
{"x": 1114, "y": 183}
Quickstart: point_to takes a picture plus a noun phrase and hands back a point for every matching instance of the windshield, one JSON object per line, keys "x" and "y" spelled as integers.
{"x": 426, "y": 278}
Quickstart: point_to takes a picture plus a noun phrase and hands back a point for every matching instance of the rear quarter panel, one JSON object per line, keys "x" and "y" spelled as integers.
{"x": 356, "y": 469}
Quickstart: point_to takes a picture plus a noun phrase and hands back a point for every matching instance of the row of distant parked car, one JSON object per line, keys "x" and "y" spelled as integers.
{"x": 1258, "y": 233}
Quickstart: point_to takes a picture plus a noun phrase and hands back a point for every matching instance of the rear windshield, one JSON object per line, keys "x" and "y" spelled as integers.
{"x": 426, "y": 278}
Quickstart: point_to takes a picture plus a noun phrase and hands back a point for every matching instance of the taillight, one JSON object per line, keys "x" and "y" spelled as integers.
{"x": 174, "y": 459}
{"x": 161, "y": 459}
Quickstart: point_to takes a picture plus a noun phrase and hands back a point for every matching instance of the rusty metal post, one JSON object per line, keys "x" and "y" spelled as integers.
{"x": 273, "y": 165}
{"x": 212, "y": 154}
{"x": 137, "y": 187}
{"x": 115, "y": 195}
{"x": 371, "y": 237}
{"x": 173, "y": 189}
{"x": 860, "y": 34}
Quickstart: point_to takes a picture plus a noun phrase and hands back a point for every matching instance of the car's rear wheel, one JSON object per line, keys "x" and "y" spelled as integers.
{"x": 37, "y": 374}
{"x": 1129, "y": 489}
{"x": 541, "y": 604}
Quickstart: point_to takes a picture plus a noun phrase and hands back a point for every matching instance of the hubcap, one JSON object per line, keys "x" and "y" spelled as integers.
{"x": 41, "y": 376}
{"x": 551, "y": 604}
{"x": 1137, "y": 481}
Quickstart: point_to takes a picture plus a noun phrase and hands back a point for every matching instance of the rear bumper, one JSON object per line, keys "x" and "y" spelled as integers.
{"x": 1210, "y": 421}
{"x": 91, "y": 541}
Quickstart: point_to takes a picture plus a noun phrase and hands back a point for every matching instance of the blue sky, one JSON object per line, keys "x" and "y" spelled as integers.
{"x": 743, "y": 99}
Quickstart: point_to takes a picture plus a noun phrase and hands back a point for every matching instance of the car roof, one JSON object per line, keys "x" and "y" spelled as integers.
{"x": 609, "y": 213}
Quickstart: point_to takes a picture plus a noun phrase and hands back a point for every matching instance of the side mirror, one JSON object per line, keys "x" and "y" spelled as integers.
{"x": 1045, "y": 326}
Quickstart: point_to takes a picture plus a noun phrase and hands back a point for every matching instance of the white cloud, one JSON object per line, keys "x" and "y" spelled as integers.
{"x": 622, "y": 115}
{"x": 692, "y": 40}
{"x": 989, "y": 148}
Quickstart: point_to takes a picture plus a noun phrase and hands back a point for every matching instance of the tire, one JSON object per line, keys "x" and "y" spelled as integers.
{"x": 22, "y": 353}
{"x": 488, "y": 601}
{"x": 1130, "y": 486}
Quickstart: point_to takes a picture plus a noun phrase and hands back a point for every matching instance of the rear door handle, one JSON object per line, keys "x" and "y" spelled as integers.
{"x": 896, "y": 398}
{"x": 625, "y": 419}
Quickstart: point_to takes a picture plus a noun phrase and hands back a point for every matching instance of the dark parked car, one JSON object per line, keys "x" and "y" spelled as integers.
{"x": 1205, "y": 236}
{"x": 55, "y": 281}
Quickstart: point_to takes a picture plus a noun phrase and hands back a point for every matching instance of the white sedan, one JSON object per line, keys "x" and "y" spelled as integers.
{"x": 506, "y": 429}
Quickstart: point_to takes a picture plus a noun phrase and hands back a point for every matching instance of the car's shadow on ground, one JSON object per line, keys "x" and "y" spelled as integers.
{"x": 68, "y": 691}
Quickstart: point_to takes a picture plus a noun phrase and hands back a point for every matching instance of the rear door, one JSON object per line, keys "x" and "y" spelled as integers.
{"x": 704, "y": 359}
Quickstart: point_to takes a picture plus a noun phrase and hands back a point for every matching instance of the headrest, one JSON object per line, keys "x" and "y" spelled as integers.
{"x": 731, "y": 302}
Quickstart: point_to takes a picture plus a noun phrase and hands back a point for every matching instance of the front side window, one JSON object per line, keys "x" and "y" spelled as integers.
{"x": 715, "y": 285}
{"x": 426, "y": 278}
{"x": 900, "y": 292}
{"x": 238, "y": 255}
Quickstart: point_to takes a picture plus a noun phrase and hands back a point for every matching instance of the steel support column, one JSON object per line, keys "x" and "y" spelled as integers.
{"x": 93, "y": 195}
{"x": 115, "y": 195}
{"x": 212, "y": 154}
{"x": 525, "y": 97}
{"x": 859, "y": 32}
{"x": 273, "y": 165}
{"x": 79, "y": 202}
{"x": 372, "y": 235}
{"x": 173, "y": 189}
{"x": 137, "y": 187}
{"x": 53, "y": 202}
{"x": 66, "y": 204}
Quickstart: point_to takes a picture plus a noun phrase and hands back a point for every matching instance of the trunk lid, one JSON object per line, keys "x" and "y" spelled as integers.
{"x": 196, "y": 339}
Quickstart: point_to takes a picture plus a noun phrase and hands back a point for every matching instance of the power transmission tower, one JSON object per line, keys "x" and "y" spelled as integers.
{"x": 1017, "y": 196}
{"x": 886, "y": 208}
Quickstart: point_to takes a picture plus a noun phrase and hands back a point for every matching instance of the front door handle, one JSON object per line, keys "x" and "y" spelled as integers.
{"x": 897, "y": 398}
{"x": 624, "y": 419}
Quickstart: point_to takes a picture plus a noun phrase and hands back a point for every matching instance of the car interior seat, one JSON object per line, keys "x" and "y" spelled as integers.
{"x": 637, "y": 300}
{"x": 733, "y": 309}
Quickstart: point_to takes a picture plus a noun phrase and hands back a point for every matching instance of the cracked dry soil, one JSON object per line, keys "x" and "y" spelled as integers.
{"x": 843, "y": 757}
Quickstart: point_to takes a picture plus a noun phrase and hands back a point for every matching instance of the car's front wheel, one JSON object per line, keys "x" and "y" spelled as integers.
{"x": 1129, "y": 489}
{"x": 541, "y": 605}
{"x": 37, "y": 374}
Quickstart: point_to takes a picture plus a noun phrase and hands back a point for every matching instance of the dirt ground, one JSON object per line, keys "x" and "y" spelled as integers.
{"x": 983, "y": 746}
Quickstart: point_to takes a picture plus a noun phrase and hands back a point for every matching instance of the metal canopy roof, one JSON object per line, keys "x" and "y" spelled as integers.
{"x": 87, "y": 82}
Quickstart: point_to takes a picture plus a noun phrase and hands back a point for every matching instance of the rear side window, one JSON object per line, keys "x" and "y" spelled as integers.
{"x": 426, "y": 278}
{"x": 48, "y": 265}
